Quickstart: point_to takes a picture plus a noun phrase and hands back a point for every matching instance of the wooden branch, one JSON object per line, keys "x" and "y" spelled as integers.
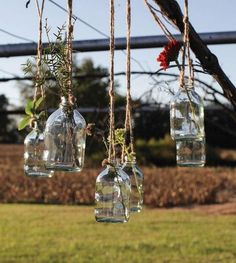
{"x": 209, "y": 62}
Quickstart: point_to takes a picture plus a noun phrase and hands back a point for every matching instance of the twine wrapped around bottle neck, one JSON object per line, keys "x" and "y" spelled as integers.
{"x": 187, "y": 87}
{"x": 68, "y": 104}
{"x": 130, "y": 162}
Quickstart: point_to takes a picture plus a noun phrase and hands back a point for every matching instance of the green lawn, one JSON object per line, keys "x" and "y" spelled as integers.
{"x": 39, "y": 233}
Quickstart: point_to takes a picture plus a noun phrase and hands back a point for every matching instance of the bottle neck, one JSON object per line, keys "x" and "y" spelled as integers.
{"x": 64, "y": 102}
{"x": 66, "y": 105}
{"x": 37, "y": 127}
{"x": 131, "y": 160}
{"x": 129, "y": 163}
{"x": 114, "y": 163}
{"x": 187, "y": 87}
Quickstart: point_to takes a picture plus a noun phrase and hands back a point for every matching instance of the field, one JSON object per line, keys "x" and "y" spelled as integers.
{"x": 46, "y": 233}
{"x": 42, "y": 232}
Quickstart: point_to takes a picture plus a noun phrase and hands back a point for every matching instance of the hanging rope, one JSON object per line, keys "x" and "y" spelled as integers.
{"x": 39, "y": 89}
{"x": 159, "y": 22}
{"x": 129, "y": 138}
{"x": 186, "y": 49}
{"x": 111, "y": 149}
{"x": 70, "y": 28}
{"x": 165, "y": 30}
{"x": 190, "y": 64}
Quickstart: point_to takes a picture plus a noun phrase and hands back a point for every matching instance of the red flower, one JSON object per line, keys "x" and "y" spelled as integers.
{"x": 170, "y": 53}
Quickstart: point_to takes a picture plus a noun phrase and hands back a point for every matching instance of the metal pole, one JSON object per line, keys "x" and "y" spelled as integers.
{"x": 28, "y": 49}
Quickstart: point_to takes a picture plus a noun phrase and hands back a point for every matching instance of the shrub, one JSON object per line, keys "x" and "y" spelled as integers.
{"x": 164, "y": 187}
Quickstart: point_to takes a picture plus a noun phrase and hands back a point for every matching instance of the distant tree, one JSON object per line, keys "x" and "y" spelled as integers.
{"x": 90, "y": 89}
{"x": 7, "y": 128}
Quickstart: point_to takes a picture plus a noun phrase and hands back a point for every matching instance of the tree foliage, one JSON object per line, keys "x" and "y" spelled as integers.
{"x": 7, "y": 127}
{"x": 89, "y": 88}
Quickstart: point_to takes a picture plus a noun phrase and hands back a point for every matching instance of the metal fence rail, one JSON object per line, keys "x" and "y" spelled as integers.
{"x": 27, "y": 49}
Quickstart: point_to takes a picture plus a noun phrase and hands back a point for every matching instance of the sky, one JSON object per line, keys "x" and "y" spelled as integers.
{"x": 205, "y": 16}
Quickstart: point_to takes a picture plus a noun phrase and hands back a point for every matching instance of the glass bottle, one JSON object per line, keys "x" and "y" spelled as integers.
{"x": 187, "y": 127}
{"x": 136, "y": 179}
{"x": 34, "y": 146}
{"x": 65, "y": 136}
{"x": 112, "y": 195}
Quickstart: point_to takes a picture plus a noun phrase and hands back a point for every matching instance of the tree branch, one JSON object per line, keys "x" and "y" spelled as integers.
{"x": 209, "y": 62}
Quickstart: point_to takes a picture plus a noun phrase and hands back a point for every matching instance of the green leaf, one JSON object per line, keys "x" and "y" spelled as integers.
{"x": 24, "y": 122}
{"x": 29, "y": 106}
{"x": 38, "y": 103}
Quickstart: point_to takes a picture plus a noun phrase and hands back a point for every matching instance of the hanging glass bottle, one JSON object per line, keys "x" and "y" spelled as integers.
{"x": 187, "y": 127}
{"x": 65, "y": 137}
{"x": 34, "y": 146}
{"x": 112, "y": 195}
{"x": 136, "y": 179}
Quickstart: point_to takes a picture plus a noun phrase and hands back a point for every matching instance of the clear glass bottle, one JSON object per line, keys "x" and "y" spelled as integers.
{"x": 136, "y": 179}
{"x": 65, "y": 137}
{"x": 34, "y": 146}
{"x": 187, "y": 127}
{"x": 112, "y": 195}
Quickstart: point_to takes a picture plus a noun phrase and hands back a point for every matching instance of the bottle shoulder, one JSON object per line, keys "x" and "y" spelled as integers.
{"x": 34, "y": 135}
{"x": 112, "y": 174}
{"x": 182, "y": 96}
{"x": 130, "y": 169}
{"x": 79, "y": 117}
{"x": 60, "y": 116}
{"x": 56, "y": 114}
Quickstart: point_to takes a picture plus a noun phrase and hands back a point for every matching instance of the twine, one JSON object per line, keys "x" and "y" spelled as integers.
{"x": 128, "y": 115}
{"x": 70, "y": 28}
{"x": 159, "y": 22}
{"x": 39, "y": 89}
{"x": 190, "y": 63}
{"x": 111, "y": 148}
{"x": 186, "y": 49}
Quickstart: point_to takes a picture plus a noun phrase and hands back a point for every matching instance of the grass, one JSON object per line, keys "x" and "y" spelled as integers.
{"x": 47, "y": 233}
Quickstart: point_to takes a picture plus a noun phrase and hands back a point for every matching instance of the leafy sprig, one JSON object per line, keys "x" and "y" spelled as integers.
{"x": 122, "y": 142}
{"x": 32, "y": 106}
{"x": 31, "y": 113}
{"x": 56, "y": 59}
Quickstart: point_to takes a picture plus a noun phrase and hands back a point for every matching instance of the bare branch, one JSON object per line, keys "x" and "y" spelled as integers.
{"x": 209, "y": 62}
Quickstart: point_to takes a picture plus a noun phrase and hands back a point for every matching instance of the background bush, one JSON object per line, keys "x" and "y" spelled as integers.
{"x": 164, "y": 187}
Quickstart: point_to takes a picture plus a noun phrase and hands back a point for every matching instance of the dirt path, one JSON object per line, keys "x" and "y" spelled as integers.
{"x": 217, "y": 209}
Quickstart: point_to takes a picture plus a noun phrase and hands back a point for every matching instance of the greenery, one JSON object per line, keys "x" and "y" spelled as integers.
{"x": 57, "y": 61}
{"x": 55, "y": 71}
{"x": 122, "y": 141}
{"x": 86, "y": 81}
{"x": 31, "y": 113}
{"x": 158, "y": 152}
{"x": 38, "y": 233}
